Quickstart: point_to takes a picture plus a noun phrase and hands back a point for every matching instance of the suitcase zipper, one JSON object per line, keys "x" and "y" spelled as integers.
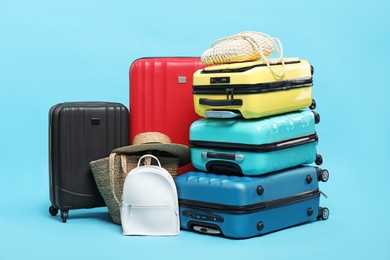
{"x": 246, "y": 209}
{"x": 287, "y": 143}
{"x": 253, "y": 88}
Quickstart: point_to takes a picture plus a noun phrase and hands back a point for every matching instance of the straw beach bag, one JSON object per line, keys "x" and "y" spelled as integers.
{"x": 244, "y": 46}
{"x": 110, "y": 173}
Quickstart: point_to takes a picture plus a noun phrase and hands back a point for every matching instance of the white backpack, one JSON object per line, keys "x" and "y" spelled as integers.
{"x": 149, "y": 202}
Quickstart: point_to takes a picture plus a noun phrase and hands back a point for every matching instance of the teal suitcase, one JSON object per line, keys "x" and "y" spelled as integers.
{"x": 255, "y": 146}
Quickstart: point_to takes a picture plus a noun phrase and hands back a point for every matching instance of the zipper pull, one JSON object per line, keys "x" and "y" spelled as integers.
{"x": 323, "y": 194}
{"x": 229, "y": 93}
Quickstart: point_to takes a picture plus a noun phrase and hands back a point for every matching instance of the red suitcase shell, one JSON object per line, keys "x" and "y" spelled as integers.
{"x": 161, "y": 97}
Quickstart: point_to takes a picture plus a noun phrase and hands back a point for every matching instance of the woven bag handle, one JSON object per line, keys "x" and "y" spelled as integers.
{"x": 111, "y": 175}
{"x": 279, "y": 51}
{"x": 256, "y": 46}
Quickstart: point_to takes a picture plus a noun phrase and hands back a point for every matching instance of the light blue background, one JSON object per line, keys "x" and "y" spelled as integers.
{"x": 55, "y": 51}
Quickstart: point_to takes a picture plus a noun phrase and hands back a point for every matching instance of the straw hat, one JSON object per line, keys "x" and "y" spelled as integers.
{"x": 156, "y": 141}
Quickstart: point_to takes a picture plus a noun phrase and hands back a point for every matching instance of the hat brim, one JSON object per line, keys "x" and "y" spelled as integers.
{"x": 178, "y": 150}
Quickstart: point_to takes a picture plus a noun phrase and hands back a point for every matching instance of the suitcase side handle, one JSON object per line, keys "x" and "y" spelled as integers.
{"x": 224, "y": 167}
{"x": 220, "y": 103}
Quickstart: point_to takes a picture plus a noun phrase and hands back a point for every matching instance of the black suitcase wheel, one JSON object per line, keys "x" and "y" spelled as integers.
{"x": 64, "y": 216}
{"x": 324, "y": 175}
{"x": 323, "y": 213}
{"x": 53, "y": 211}
{"x": 317, "y": 118}
{"x": 319, "y": 159}
{"x": 313, "y": 104}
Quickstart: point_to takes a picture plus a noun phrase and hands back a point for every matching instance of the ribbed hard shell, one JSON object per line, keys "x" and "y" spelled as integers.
{"x": 161, "y": 96}
{"x": 80, "y": 132}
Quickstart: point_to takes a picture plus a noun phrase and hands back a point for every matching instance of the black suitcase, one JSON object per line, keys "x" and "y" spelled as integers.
{"x": 80, "y": 132}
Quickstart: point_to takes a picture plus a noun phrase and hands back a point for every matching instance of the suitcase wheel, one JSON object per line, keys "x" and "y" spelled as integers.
{"x": 53, "y": 211}
{"x": 324, "y": 175}
{"x": 313, "y": 104}
{"x": 323, "y": 213}
{"x": 317, "y": 118}
{"x": 64, "y": 215}
{"x": 319, "y": 159}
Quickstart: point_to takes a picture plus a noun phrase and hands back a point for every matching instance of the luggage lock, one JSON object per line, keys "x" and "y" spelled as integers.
{"x": 219, "y": 80}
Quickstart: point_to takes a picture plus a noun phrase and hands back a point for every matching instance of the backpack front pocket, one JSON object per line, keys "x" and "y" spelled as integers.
{"x": 149, "y": 220}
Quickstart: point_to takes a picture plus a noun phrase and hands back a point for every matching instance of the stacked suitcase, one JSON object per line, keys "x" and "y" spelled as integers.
{"x": 253, "y": 150}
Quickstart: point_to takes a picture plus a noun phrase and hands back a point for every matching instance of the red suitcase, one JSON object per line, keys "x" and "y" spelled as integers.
{"x": 161, "y": 97}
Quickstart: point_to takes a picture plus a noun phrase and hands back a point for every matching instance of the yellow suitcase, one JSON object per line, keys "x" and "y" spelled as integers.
{"x": 250, "y": 90}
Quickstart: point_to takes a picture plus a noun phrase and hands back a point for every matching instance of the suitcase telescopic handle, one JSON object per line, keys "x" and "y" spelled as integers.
{"x": 206, "y": 230}
{"x": 224, "y": 156}
{"x": 220, "y": 103}
{"x": 221, "y": 114}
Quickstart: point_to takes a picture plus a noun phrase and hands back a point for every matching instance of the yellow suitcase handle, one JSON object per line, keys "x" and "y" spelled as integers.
{"x": 220, "y": 103}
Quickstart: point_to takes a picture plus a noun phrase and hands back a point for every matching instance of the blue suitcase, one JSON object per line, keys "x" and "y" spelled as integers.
{"x": 243, "y": 207}
{"x": 255, "y": 146}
